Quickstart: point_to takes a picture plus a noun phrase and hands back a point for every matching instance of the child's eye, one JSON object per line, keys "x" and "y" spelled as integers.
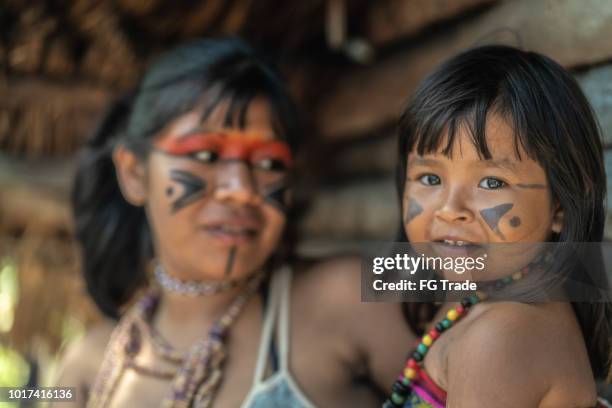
{"x": 270, "y": 164}
{"x": 429, "y": 180}
{"x": 491, "y": 183}
{"x": 206, "y": 156}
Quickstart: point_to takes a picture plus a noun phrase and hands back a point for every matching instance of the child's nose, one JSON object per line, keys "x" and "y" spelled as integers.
{"x": 454, "y": 207}
{"x": 234, "y": 181}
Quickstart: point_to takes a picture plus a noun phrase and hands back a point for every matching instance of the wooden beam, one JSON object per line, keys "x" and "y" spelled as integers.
{"x": 373, "y": 97}
{"x": 597, "y": 85}
{"x": 393, "y": 20}
{"x": 42, "y": 118}
{"x": 359, "y": 210}
{"x": 35, "y": 194}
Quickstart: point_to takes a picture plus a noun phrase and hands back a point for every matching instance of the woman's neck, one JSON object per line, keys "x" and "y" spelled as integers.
{"x": 183, "y": 319}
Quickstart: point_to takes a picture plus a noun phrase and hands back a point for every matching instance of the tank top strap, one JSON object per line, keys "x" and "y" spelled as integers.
{"x": 270, "y": 317}
{"x": 284, "y": 317}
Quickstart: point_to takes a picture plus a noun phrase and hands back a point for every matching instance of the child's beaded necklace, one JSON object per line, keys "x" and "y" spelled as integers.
{"x": 403, "y": 385}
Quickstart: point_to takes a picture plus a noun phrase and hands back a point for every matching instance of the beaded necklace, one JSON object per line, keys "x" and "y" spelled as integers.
{"x": 196, "y": 374}
{"x": 192, "y": 288}
{"x": 402, "y": 387}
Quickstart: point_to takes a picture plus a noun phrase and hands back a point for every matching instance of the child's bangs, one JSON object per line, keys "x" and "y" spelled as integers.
{"x": 436, "y": 131}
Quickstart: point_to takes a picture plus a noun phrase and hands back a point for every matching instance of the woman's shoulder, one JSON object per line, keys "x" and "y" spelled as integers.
{"x": 536, "y": 347}
{"x": 83, "y": 358}
{"x": 330, "y": 290}
{"x": 333, "y": 280}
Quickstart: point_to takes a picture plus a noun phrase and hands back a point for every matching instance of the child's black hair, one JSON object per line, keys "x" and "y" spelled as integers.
{"x": 554, "y": 124}
{"x": 115, "y": 235}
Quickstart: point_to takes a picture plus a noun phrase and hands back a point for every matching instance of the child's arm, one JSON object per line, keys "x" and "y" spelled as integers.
{"x": 518, "y": 355}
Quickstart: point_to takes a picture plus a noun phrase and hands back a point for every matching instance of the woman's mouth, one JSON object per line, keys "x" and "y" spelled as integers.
{"x": 231, "y": 233}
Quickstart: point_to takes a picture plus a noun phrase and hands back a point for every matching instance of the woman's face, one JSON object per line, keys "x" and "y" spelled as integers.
{"x": 459, "y": 200}
{"x": 216, "y": 196}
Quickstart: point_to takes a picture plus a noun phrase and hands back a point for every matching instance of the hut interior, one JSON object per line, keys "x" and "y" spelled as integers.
{"x": 350, "y": 64}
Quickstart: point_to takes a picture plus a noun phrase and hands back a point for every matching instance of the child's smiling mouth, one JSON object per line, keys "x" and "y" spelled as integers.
{"x": 454, "y": 246}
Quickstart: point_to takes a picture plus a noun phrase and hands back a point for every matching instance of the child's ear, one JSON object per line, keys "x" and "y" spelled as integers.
{"x": 557, "y": 220}
{"x": 130, "y": 175}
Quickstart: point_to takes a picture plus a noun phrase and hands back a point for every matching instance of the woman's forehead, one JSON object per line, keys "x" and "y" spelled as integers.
{"x": 257, "y": 114}
{"x": 257, "y": 120}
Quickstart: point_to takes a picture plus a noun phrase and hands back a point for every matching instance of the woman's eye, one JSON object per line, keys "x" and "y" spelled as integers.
{"x": 206, "y": 156}
{"x": 491, "y": 183}
{"x": 430, "y": 180}
{"x": 270, "y": 164}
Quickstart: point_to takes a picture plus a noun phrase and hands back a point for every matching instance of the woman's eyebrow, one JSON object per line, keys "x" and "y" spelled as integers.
{"x": 198, "y": 131}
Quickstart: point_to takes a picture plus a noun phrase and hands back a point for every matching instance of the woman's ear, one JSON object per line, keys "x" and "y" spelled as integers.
{"x": 130, "y": 175}
{"x": 557, "y": 220}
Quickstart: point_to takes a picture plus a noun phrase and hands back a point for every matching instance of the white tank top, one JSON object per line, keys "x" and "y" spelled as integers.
{"x": 279, "y": 390}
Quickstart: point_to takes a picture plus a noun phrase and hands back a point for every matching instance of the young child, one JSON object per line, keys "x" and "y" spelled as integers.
{"x": 181, "y": 201}
{"x": 499, "y": 145}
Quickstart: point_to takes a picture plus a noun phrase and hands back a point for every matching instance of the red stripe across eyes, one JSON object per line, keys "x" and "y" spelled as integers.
{"x": 229, "y": 146}
{"x": 192, "y": 143}
{"x": 237, "y": 148}
{"x": 273, "y": 149}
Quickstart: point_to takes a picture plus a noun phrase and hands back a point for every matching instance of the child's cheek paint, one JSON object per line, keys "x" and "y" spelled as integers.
{"x": 493, "y": 216}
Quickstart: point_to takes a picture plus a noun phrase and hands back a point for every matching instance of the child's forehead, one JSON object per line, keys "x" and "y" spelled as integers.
{"x": 500, "y": 141}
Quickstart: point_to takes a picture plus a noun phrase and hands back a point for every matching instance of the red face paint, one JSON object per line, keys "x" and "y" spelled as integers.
{"x": 228, "y": 145}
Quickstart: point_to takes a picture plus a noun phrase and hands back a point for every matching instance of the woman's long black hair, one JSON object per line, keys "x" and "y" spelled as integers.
{"x": 113, "y": 234}
{"x": 554, "y": 124}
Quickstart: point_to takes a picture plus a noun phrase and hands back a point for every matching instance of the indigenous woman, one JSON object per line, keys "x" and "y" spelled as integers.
{"x": 181, "y": 202}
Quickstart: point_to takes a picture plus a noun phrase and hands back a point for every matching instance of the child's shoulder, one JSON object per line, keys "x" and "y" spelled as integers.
{"x": 537, "y": 346}
{"x": 512, "y": 324}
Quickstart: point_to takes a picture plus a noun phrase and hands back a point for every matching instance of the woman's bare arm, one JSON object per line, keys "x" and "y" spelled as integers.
{"x": 81, "y": 362}
{"x": 376, "y": 332}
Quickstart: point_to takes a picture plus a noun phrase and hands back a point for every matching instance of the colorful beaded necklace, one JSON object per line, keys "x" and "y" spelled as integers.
{"x": 402, "y": 387}
{"x": 196, "y": 374}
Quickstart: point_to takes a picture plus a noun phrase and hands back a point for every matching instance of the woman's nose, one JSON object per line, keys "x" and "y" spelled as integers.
{"x": 454, "y": 207}
{"x": 234, "y": 181}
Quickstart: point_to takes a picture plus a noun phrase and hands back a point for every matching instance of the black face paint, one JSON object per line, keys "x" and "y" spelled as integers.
{"x": 538, "y": 186}
{"x": 277, "y": 196}
{"x": 414, "y": 209}
{"x": 493, "y": 215}
{"x": 194, "y": 188}
{"x": 515, "y": 221}
{"x": 230, "y": 261}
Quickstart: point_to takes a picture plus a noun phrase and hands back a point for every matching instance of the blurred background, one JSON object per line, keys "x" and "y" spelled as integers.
{"x": 351, "y": 65}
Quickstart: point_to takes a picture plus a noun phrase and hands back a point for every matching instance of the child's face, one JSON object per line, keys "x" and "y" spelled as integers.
{"x": 464, "y": 198}
{"x": 216, "y": 196}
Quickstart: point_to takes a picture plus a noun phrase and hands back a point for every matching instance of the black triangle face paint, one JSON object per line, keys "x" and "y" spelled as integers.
{"x": 193, "y": 186}
{"x": 414, "y": 209}
{"x": 493, "y": 215}
{"x": 277, "y": 196}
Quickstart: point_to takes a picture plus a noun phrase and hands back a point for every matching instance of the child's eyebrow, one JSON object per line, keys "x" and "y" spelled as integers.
{"x": 501, "y": 163}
